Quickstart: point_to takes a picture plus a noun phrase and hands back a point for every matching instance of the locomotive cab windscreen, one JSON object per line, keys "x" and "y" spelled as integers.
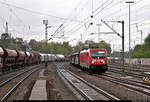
{"x": 98, "y": 54}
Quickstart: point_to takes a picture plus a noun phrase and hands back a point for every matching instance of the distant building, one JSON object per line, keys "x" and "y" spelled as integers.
{"x": 19, "y": 40}
{"x": 33, "y": 42}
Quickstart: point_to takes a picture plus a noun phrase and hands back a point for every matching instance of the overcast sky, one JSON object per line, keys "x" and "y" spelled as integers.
{"x": 25, "y": 19}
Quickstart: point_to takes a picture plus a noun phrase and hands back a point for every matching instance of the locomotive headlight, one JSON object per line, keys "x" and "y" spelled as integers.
{"x": 103, "y": 61}
{"x": 94, "y": 60}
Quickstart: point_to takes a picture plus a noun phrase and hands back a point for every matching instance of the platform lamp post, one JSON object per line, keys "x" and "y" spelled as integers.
{"x": 129, "y": 2}
{"x": 45, "y": 22}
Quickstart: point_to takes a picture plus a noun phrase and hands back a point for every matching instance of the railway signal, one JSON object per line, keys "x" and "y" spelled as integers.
{"x": 45, "y": 22}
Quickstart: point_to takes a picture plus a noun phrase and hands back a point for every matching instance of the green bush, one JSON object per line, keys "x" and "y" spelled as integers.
{"x": 142, "y": 51}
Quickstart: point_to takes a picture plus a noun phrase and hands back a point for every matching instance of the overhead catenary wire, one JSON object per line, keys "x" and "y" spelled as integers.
{"x": 3, "y": 19}
{"x": 110, "y": 15}
{"x": 118, "y": 11}
{"x": 78, "y": 28}
{"x": 84, "y": 20}
{"x": 57, "y": 31}
{"x": 33, "y": 12}
{"x": 90, "y": 13}
{"x": 14, "y": 14}
{"x": 11, "y": 10}
{"x": 37, "y": 12}
{"x": 75, "y": 8}
{"x": 88, "y": 17}
{"x": 104, "y": 17}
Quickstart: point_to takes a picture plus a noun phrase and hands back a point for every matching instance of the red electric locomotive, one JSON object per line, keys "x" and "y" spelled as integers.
{"x": 93, "y": 60}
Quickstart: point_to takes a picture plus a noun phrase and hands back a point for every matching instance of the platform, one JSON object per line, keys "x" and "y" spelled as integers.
{"x": 39, "y": 91}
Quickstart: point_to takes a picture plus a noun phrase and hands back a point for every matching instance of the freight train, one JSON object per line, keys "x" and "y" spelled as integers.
{"x": 52, "y": 57}
{"x": 11, "y": 59}
{"x": 92, "y": 60}
{"x": 47, "y": 57}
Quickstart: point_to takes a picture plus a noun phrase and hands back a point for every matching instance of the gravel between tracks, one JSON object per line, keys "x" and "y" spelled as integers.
{"x": 8, "y": 75}
{"x": 117, "y": 90}
{"x": 56, "y": 89}
{"x": 23, "y": 91}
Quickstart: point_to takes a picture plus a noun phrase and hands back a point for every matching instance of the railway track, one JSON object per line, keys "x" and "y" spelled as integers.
{"x": 137, "y": 86}
{"x": 13, "y": 77}
{"x": 14, "y": 70}
{"x": 11, "y": 74}
{"x": 134, "y": 74}
{"x": 135, "y": 67}
{"x": 87, "y": 90}
{"x": 10, "y": 85}
{"x": 130, "y": 69}
{"x": 118, "y": 70}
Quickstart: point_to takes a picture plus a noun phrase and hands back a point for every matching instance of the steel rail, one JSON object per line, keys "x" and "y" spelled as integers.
{"x": 96, "y": 88}
{"x": 145, "y": 67}
{"x": 128, "y": 73}
{"x": 5, "y": 97}
{"x": 142, "y": 83}
{"x": 132, "y": 82}
{"x": 80, "y": 91}
{"x": 106, "y": 94}
{"x": 8, "y": 80}
{"x": 131, "y": 69}
{"x": 14, "y": 70}
{"x": 127, "y": 85}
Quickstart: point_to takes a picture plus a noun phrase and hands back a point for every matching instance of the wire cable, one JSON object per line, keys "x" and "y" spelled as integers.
{"x": 36, "y": 12}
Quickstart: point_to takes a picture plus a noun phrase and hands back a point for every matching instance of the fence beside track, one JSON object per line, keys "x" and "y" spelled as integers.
{"x": 135, "y": 61}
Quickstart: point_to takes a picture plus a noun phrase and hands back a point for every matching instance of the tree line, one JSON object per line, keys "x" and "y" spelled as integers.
{"x": 65, "y": 48}
{"x": 142, "y": 50}
{"x": 52, "y": 47}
